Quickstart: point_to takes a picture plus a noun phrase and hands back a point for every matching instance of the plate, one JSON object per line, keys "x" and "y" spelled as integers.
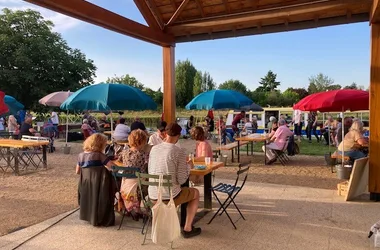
{"x": 200, "y": 167}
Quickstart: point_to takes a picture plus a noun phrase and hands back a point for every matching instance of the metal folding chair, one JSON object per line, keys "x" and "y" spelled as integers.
{"x": 123, "y": 172}
{"x": 150, "y": 180}
{"x": 232, "y": 191}
{"x": 282, "y": 154}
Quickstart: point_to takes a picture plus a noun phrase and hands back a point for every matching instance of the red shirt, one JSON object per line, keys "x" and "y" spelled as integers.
{"x": 237, "y": 119}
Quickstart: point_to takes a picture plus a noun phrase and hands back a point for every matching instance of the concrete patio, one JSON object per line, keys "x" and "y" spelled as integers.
{"x": 278, "y": 217}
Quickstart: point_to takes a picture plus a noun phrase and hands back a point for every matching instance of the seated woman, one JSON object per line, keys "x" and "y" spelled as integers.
{"x": 136, "y": 156}
{"x": 273, "y": 128}
{"x": 87, "y": 130}
{"x": 203, "y": 149}
{"x": 353, "y": 141}
{"x": 95, "y": 190}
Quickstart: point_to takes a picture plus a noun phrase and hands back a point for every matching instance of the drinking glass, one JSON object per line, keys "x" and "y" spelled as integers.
{"x": 208, "y": 161}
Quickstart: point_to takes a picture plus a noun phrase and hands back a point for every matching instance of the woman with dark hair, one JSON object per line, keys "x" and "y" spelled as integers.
{"x": 190, "y": 124}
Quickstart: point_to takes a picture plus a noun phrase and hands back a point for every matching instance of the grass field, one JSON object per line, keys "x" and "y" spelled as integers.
{"x": 306, "y": 148}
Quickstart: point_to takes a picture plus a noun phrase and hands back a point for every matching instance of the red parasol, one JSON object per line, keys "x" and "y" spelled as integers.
{"x": 335, "y": 101}
{"x": 3, "y": 107}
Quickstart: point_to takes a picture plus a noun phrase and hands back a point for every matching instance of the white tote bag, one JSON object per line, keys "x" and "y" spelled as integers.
{"x": 165, "y": 225}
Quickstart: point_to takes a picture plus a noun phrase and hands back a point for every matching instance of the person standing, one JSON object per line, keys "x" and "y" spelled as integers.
{"x": 312, "y": 125}
{"x": 55, "y": 120}
{"x": 236, "y": 121}
{"x": 297, "y": 121}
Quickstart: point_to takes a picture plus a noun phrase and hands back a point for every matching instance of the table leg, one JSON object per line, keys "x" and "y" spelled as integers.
{"x": 252, "y": 148}
{"x": 265, "y": 152}
{"x": 44, "y": 156}
{"x": 207, "y": 191}
{"x": 238, "y": 153}
{"x": 232, "y": 152}
{"x": 15, "y": 151}
{"x": 9, "y": 162}
{"x": 247, "y": 149}
{"x": 184, "y": 207}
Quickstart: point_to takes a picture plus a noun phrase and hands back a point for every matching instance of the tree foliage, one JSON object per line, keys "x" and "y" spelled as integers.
{"x": 35, "y": 61}
{"x": 184, "y": 79}
{"x": 354, "y": 86}
{"x": 302, "y": 93}
{"x": 234, "y": 85}
{"x": 126, "y": 79}
{"x": 321, "y": 83}
{"x": 268, "y": 82}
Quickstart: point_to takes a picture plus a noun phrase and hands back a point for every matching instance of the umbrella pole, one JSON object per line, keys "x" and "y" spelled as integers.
{"x": 67, "y": 125}
{"x": 343, "y": 137}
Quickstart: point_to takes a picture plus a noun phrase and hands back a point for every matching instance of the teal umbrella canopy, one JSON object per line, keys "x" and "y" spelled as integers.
{"x": 219, "y": 99}
{"x": 13, "y": 105}
{"x": 106, "y": 97}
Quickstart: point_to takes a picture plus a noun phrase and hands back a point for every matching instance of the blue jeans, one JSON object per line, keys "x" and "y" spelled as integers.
{"x": 355, "y": 154}
{"x": 224, "y": 138}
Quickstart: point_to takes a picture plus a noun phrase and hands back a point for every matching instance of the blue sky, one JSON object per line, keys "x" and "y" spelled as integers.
{"x": 341, "y": 52}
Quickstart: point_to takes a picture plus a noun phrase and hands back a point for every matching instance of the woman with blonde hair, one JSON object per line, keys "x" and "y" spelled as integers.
{"x": 95, "y": 189}
{"x": 353, "y": 141}
{"x": 135, "y": 157}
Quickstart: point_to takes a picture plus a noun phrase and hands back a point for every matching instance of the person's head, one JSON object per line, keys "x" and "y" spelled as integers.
{"x": 281, "y": 122}
{"x": 348, "y": 122}
{"x": 221, "y": 117}
{"x": 173, "y": 131}
{"x": 161, "y": 129}
{"x": 272, "y": 119}
{"x": 137, "y": 139}
{"x": 191, "y": 118}
{"x": 355, "y": 119}
{"x": 282, "y": 116}
{"x": 28, "y": 119}
{"x": 122, "y": 121}
{"x": 329, "y": 118}
{"x": 137, "y": 119}
{"x": 85, "y": 121}
{"x": 198, "y": 134}
{"x": 242, "y": 113}
{"x": 357, "y": 126}
{"x": 246, "y": 120}
{"x": 95, "y": 143}
{"x": 339, "y": 119}
{"x": 104, "y": 117}
{"x": 254, "y": 118}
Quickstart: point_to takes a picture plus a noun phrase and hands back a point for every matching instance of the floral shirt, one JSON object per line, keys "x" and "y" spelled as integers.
{"x": 134, "y": 158}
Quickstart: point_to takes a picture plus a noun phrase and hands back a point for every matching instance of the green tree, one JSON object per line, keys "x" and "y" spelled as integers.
{"x": 274, "y": 98}
{"x": 259, "y": 97}
{"x": 126, "y": 79}
{"x": 289, "y": 97}
{"x": 184, "y": 79}
{"x": 158, "y": 97}
{"x": 321, "y": 83}
{"x": 268, "y": 82}
{"x": 198, "y": 83}
{"x": 207, "y": 82}
{"x": 302, "y": 93}
{"x": 234, "y": 85}
{"x": 35, "y": 61}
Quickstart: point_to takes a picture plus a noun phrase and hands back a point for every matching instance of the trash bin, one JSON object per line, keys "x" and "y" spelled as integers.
{"x": 343, "y": 172}
{"x": 66, "y": 150}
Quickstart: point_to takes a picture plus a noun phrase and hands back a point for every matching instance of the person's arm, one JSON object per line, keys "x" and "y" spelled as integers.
{"x": 77, "y": 169}
{"x": 183, "y": 167}
{"x": 315, "y": 121}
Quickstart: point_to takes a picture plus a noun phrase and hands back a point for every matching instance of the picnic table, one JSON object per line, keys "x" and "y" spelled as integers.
{"x": 252, "y": 138}
{"x": 16, "y": 152}
{"x": 207, "y": 177}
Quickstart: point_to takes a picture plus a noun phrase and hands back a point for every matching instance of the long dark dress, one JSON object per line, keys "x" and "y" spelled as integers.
{"x": 95, "y": 190}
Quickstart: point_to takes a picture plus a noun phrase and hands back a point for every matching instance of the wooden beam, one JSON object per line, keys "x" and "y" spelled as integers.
{"x": 253, "y": 17}
{"x": 148, "y": 15}
{"x": 228, "y": 8}
{"x": 375, "y": 12}
{"x": 94, "y": 14}
{"x": 374, "y": 121}
{"x": 155, "y": 11}
{"x": 200, "y": 7}
{"x": 169, "y": 104}
{"x": 177, "y": 12}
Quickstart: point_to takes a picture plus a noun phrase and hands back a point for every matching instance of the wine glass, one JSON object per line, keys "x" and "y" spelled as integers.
{"x": 208, "y": 161}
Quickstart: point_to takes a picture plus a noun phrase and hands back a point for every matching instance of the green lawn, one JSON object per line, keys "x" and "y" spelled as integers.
{"x": 306, "y": 148}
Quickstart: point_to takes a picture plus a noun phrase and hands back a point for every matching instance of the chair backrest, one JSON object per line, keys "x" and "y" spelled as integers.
{"x": 286, "y": 143}
{"x": 34, "y": 138}
{"x": 152, "y": 180}
{"x": 243, "y": 169}
{"x": 124, "y": 172}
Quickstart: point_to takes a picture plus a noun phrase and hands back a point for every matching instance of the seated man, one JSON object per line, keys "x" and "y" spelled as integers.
{"x": 122, "y": 131}
{"x": 277, "y": 141}
{"x": 329, "y": 129}
{"x": 27, "y": 128}
{"x": 166, "y": 158}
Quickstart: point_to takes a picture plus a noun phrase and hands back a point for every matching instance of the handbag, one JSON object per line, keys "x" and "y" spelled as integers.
{"x": 165, "y": 224}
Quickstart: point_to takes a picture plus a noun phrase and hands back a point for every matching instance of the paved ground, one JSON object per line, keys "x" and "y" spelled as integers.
{"x": 278, "y": 217}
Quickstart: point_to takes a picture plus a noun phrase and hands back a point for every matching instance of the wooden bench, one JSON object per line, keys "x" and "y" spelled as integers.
{"x": 335, "y": 155}
{"x": 232, "y": 146}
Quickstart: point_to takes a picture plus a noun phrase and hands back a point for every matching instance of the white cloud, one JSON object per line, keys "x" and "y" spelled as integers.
{"x": 62, "y": 23}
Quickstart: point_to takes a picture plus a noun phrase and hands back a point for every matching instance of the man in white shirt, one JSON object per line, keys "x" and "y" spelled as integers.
{"x": 55, "y": 120}
{"x": 160, "y": 135}
{"x": 297, "y": 121}
{"x": 168, "y": 159}
{"x": 122, "y": 131}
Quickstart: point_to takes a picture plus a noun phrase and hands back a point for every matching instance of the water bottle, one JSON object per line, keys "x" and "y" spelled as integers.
{"x": 377, "y": 238}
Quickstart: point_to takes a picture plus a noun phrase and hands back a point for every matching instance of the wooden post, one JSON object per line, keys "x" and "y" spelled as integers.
{"x": 374, "y": 142}
{"x": 169, "y": 84}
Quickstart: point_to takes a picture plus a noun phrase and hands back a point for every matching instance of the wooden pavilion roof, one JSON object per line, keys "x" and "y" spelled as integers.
{"x": 172, "y": 21}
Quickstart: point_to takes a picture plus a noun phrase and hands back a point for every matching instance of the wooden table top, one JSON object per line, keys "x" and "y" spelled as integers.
{"x": 10, "y": 143}
{"x": 108, "y": 132}
{"x": 254, "y": 138}
{"x": 214, "y": 166}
